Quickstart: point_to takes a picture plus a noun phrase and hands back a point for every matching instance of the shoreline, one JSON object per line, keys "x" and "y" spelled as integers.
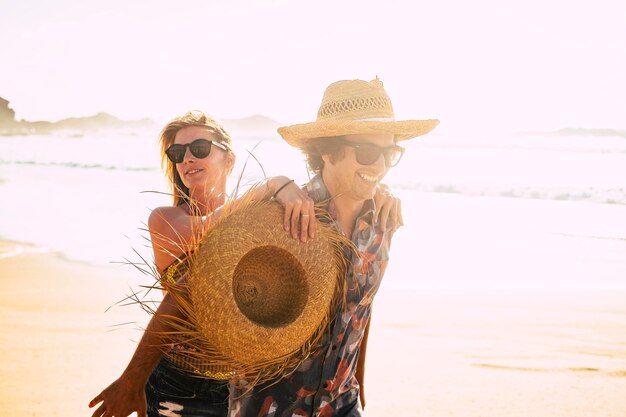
{"x": 543, "y": 249}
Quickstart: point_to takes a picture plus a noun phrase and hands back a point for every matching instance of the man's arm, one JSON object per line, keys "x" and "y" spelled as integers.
{"x": 127, "y": 394}
{"x": 360, "y": 364}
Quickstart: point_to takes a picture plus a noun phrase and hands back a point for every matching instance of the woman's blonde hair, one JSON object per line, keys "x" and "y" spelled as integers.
{"x": 192, "y": 118}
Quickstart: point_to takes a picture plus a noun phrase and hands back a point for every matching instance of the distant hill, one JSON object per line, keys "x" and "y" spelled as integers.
{"x": 10, "y": 126}
{"x": 102, "y": 121}
{"x": 96, "y": 122}
{"x": 257, "y": 125}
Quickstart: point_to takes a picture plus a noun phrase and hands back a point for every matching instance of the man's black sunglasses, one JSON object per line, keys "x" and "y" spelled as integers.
{"x": 200, "y": 148}
{"x": 368, "y": 153}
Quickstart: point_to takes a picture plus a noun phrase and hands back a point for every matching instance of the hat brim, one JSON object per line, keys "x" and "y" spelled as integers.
{"x": 300, "y": 134}
{"x": 256, "y": 302}
{"x": 218, "y": 316}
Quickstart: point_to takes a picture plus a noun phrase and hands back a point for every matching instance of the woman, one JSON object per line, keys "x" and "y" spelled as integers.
{"x": 198, "y": 158}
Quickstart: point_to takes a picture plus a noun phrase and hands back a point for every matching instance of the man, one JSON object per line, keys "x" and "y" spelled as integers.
{"x": 350, "y": 147}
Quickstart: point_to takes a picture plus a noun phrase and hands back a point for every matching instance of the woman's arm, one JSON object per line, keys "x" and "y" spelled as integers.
{"x": 173, "y": 232}
{"x": 127, "y": 394}
{"x": 299, "y": 217}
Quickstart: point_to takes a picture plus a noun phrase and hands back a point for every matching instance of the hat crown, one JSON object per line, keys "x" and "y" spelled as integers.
{"x": 355, "y": 100}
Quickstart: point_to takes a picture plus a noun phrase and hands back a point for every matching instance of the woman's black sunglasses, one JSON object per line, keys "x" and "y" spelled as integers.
{"x": 200, "y": 148}
{"x": 368, "y": 153}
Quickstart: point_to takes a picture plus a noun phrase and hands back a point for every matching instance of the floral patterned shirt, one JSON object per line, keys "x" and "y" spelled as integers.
{"x": 325, "y": 384}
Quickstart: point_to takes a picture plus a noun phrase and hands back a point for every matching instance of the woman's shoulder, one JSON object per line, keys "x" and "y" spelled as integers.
{"x": 162, "y": 216}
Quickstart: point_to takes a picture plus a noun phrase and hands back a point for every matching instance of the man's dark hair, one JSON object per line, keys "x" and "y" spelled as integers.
{"x": 315, "y": 148}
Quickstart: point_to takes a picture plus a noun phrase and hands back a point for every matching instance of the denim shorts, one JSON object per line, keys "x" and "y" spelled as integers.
{"x": 173, "y": 392}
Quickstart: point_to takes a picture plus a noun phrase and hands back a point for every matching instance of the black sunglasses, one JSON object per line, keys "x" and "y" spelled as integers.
{"x": 200, "y": 148}
{"x": 368, "y": 153}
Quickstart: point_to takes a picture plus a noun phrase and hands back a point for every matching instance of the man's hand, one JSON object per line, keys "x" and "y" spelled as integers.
{"x": 121, "y": 399}
{"x": 387, "y": 207}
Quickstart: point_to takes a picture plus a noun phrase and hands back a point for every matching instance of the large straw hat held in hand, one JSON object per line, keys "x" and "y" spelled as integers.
{"x": 258, "y": 300}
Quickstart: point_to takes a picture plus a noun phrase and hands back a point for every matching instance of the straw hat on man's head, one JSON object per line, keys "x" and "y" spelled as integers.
{"x": 354, "y": 107}
{"x": 258, "y": 300}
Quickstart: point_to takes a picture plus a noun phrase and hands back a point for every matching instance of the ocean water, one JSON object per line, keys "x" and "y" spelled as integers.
{"x": 480, "y": 212}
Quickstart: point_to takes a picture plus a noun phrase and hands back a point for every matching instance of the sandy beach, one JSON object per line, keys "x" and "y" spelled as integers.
{"x": 489, "y": 354}
{"x": 431, "y": 352}
{"x": 58, "y": 345}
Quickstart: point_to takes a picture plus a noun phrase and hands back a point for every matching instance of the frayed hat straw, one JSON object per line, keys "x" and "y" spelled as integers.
{"x": 352, "y": 107}
{"x": 258, "y": 300}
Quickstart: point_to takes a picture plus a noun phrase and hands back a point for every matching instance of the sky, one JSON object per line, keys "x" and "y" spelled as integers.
{"x": 478, "y": 66}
